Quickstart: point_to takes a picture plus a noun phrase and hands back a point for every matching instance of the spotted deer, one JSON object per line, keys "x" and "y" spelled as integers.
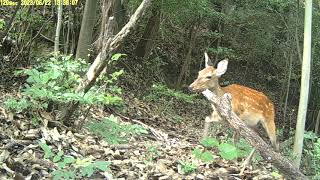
{"x": 250, "y": 105}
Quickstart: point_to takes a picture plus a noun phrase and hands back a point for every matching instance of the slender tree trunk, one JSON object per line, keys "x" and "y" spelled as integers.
{"x": 67, "y": 42}
{"x": 187, "y": 60}
{"x": 316, "y": 129}
{"x": 296, "y": 34}
{"x": 85, "y": 36}
{"x": 119, "y": 13}
{"x": 287, "y": 95}
{"x": 59, "y": 24}
{"x": 305, "y": 83}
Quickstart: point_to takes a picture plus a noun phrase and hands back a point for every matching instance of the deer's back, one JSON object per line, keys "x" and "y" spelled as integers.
{"x": 249, "y": 104}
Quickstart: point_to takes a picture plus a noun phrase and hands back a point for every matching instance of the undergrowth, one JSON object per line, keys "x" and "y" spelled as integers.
{"x": 68, "y": 167}
{"x": 115, "y": 132}
{"x": 53, "y": 83}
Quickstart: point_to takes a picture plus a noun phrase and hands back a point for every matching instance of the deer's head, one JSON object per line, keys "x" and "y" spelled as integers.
{"x": 208, "y": 77}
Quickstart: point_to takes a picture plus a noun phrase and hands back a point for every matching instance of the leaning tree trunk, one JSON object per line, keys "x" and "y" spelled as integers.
{"x": 223, "y": 105}
{"x": 85, "y": 36}
{"x": 110, "y": 47}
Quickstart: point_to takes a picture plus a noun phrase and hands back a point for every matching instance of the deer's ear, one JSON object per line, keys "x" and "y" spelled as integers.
{"x": 222, "y": 67}
{"x": 207, "y": 60}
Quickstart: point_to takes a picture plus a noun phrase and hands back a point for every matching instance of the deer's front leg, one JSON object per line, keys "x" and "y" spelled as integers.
{"x": 214, "y": 117}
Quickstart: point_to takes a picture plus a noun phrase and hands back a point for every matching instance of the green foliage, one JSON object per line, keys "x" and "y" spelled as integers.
{"x": 205, "y": 156}
{"x": 187, "y": 167}
{"x": 2, "y": 24}
{"x": 160, "y": 90}
{"x": 116, "y": 57}
{"x": 152, "y": 153}
{"x": 275, "y": 174}
{"x": 15, "y": 105}
{"x": 312, "y": 150}
{"x": 23, "y": 15}
{"x": 68, "y": 167}
{"x": 114, "y": 132}
{"x": 228, "y": 151}
{"x": 47, "y": 150}
{"x": 55, "y": 80}
{"x": 209, "y": 142}
{"x": 222, "y": 52}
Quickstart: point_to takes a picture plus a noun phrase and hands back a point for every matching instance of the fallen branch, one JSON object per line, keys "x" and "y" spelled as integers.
{"x": 223, "y": 106}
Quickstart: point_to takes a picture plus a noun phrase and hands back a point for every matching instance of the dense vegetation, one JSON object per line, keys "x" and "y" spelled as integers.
{"x": 142, "y": 90}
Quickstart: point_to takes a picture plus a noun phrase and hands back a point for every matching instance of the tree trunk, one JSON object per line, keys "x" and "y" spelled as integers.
{"x": 110, "y": 8}
{"x": 85, "y": 36}
{"x": 305, "y": 83}
{"x": 223, "y": 105}
{"x": 186, "y": 63}
{"x": 59, "y": 23}
{"x": 119, "y": 13}
{"x": 316, "y": 129}
{"x": 145, "y": 44}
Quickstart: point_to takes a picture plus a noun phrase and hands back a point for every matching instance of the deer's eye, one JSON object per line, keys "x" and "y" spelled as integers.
{"x": 208, "y": 77}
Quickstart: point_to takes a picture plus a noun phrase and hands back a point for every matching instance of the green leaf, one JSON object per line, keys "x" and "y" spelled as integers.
{"x": 228, "y": 151}
{"x": 63, "y": 174}
{"x": 57, "y": 157}
{"x": 61, "y": 164}
{"x": 188, "y": 167}
{"x": 68, "y": 159}
{"x": 102, "y": 165}
{"x": 83, "y": 162}
{"x": 209, "y": 142}
{"x": 87, "y": 171}
{"x": 207, "y": 156}
{"x": 47, "y": 150}
{"x": 275, "y": 174}
{"x": 197, "y": 153}
{"x": 117, "y": 56}
{"x": 2, "y": 24}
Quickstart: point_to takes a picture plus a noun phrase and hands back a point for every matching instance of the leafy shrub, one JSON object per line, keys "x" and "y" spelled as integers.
{"x": 69, "y": 168}
{"x": 55, "y": 80}
{"x": 115, "y": 132}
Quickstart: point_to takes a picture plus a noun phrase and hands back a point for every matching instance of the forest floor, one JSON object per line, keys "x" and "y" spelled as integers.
{"x": 164, "y": 152}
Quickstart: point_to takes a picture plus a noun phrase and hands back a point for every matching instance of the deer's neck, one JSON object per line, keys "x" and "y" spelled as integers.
{"x": 217, "y": 90}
